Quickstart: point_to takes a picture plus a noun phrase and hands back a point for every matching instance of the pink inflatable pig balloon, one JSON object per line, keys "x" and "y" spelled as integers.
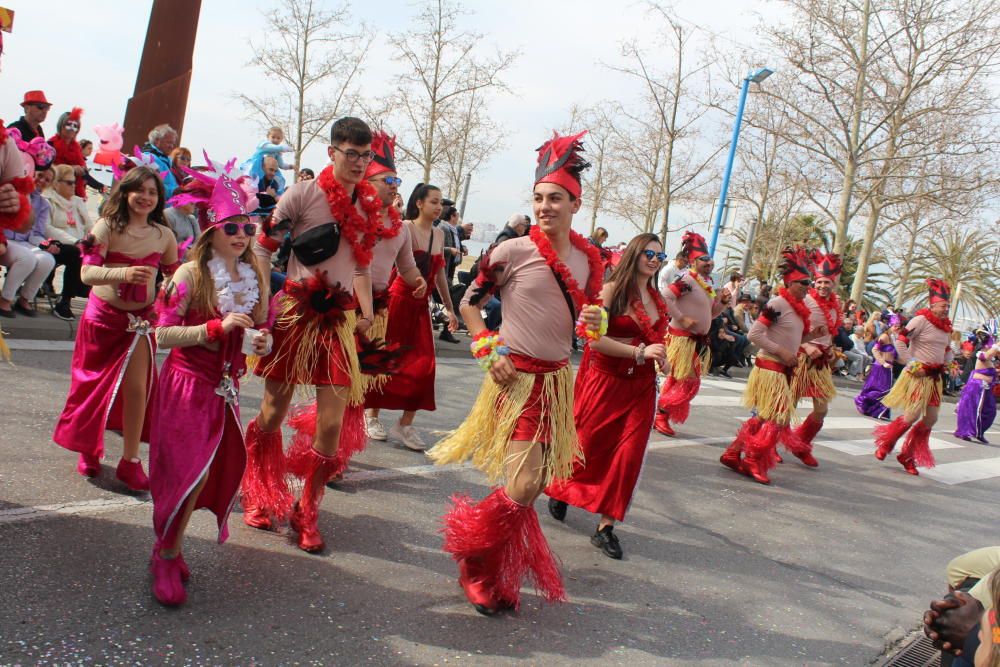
{"x": 109, "y": 144}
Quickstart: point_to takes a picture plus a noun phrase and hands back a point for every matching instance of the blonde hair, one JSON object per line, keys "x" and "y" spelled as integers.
{"x": 62, "y": 172}
{"x": 203, "y": 287}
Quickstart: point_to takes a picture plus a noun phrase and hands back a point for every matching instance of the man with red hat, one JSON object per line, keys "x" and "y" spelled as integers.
{"x": 521, "y": 429}
{"x": 692, "y": 303}
{"x": 332, "y": 221}
{"x": 784, "y": 324}
{"x": 814, "y": 373}
{"x": 924, "y": 347}
{"x": 36, "y": 108}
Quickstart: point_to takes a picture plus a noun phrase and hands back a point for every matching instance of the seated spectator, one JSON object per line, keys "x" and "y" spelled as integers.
{"x": 36, "y": 109}
{"x": 184, "y": 222}
{"x": 517, "y": 225}
{"x": 746, "y": 312}
{"x": 68, "y": 224}
{"x": 858, "y": 339}
{"x": 180, "y": 158}
{"x": 952, "y": 623}
{"x": 162, "y": 141}
{"x": 87, "y": 147}
{"x": 306, "y": 174}
{"x": 738, "y": 349}
{"x": 721, "y": 343}
{"x": 27, "y": 267}
{"x": 735, "y": 284}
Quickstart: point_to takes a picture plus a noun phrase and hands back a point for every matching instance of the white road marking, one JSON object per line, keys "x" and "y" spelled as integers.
{"x": 40, "y": 345}
{"x": 662, "y": 442}
{"x": 34, "y": 513}
{"x": 716, "y": 401}
{"x": 863, "y": 447}
{"x": 963, "y": 471}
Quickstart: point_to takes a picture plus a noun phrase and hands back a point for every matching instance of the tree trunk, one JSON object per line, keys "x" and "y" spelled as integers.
{"x": 904, "y": 276}
{"x": 850, "y": 169}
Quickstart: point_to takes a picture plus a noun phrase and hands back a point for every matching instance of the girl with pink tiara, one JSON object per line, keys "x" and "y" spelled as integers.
{"x": 207, "y": 314}
{"x": 112, "y": 373}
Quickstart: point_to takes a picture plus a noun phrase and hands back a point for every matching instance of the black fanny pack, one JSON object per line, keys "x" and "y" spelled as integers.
{"x": 317, "y": 244}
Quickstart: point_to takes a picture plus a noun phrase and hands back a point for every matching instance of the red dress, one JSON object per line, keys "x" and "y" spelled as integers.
{"x": 412, "y": 386}
{"x": 614, "y": 405}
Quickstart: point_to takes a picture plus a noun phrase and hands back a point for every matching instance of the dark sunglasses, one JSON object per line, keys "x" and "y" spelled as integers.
{"x": 652, "y": 254}
{"x": 233, "y": 228}
{"x": 807, "y": 283}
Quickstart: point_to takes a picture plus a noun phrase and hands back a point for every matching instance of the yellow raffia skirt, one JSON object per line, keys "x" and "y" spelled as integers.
{"x": 306, "y": 351}
{"x": 770, "y": 394}
{"x": 485, "y": 435}
{"x": 377, "y": 332}
{"x": 684, "y": 362}
{"x": 911, "y": 393}
{"x": 812, "y": 381}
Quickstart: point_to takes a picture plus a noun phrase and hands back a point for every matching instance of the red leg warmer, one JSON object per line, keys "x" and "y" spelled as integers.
{"x": 265, "y": 489}
{"x": 315, "y": 470}
{"x": 917, "y": 446}
{"x": 808, "y": 429}
{"x": 799, "y": 441}
{"x": 353, "y": 437}
{"x": 506, "y": 539}
{"x": 886, "y": 436}
{"x": 762, "y": 449}
{"x": 731, "y": 457}
{"x": 675, "y": 398}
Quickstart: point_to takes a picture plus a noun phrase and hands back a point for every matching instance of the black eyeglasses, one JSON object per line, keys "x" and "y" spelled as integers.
{"x": 652, "y": 254}
{"x": 234, "y": 228}
{"x": 354, "y": 156}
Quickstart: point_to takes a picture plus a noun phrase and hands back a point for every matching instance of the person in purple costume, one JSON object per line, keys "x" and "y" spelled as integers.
{"x": 879, "y": 380}
{"x": 977, "y": 408}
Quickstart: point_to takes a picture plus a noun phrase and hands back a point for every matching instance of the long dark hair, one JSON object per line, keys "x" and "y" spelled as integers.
{"x": 624, "y": 275}
{"x": 419, "y": 194}
{"x": 115, "y": 209}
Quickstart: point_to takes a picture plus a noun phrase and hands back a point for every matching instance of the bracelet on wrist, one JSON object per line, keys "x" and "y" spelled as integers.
{"x": 487, "y": 348}
{"x": 640, "y": 352}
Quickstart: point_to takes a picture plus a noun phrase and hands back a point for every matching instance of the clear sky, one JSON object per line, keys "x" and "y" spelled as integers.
{"x": 86, "y": 54}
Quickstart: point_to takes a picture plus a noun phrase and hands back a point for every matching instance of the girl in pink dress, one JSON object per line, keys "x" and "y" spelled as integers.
{"x": 113, "y": 374}
{"x": 207, "y": 315}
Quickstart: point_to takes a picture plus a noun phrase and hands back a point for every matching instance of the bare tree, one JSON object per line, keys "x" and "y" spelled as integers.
{"x": 470, "y": 138}
{"x": 313, "y": 58}
{"x": 667, "y": 130}
{"x": 603, "y": 152}
{"x": 441, "y": 68}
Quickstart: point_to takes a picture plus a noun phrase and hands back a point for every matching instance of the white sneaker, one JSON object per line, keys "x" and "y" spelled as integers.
{"x": 374, "y": 428}
{"x": 408, "y": 436}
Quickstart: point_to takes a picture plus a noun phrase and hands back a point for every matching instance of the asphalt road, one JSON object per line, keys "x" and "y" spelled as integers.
{"x": 827, "y": 566}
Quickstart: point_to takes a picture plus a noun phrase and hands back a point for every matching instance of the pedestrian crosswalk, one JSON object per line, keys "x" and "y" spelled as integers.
{"x": 846, "y": 432}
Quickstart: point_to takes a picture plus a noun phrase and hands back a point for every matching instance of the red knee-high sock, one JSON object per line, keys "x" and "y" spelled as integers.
{"x": 505, "y": 540}
{"x": 808, "y": 429}
{"x": 886, "y": 436}
{"x": 315, "y": 470}
{"x": 917, "y": 446}
{"x": 353, "y": 437}
{"x": 264, "y": 485}
{"x": 676, "y": 396}
{"x": 731, "y": 457}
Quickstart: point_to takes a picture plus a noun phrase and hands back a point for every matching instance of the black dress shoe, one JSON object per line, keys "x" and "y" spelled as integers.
{"x": 447, "y": 337}
{"x": 606, "y": 540}
{"x": 557, "y": 509}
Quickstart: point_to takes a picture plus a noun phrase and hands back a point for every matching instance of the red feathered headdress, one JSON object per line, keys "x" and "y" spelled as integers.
{"x": 826, "y": 266}
{"x": 693, "y": 246}
{"x": 560, "y": 162}
{"x": 939, "y": 290}
{"x": 75, "y": 114}
{"x": 795, "y": 264}
{"x": 384, "y": 148}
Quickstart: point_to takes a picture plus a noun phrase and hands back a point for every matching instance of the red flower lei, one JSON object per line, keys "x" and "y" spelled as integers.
{"x": 594, "y": 264}
{"x": 800, "y": 308}
{"x": 359, "y": 232}
{"x": 831, "y": 303}
{"x": 942, "y": 323}
{"x": 651, "y": 333}
{"x": 395, "y": 224}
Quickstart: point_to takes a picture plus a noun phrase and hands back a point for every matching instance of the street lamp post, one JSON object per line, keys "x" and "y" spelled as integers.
{"x": 755, "y": 77}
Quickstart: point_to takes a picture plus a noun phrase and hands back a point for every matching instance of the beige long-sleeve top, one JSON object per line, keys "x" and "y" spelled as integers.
{"x": 785, "y": 333}
{"x": 387, "y": 253}
{"x": 817, "y": 320}
{"x": 134, "y": 243}
{"x": 69, "y": 221}
{"x": 693, "y": 302}
{"x": 536, "y": 318}
{"x": 927, "y": 343}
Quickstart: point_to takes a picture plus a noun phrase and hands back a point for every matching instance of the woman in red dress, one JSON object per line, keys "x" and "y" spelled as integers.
{"x": 411, "y": 387}
{"x": 615, "y": 394}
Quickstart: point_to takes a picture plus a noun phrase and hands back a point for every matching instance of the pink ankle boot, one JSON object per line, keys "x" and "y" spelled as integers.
{"x": 88, "y": 466}
{"x": 168, "y": 585}
{"x": 132, "y": 475}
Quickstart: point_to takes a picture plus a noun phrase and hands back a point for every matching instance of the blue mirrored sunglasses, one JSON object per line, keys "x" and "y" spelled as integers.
{"x": 393, "y": 180}
{"x": 652, "y": 254}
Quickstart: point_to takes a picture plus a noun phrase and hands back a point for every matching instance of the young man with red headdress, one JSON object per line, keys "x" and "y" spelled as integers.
{"x": 814, "y": 374}
{"x": 783, "y": 325}
{"x": 521, "y": 427}
{"x": 333, "y": 221}
{"x": 924, "y": 347}
{"x": 692, "y": 303}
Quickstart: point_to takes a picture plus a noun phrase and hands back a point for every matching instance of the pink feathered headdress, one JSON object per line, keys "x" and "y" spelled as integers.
{"x": 220, "y": 192}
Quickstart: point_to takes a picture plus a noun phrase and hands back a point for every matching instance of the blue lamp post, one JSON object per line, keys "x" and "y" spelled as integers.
{"x": 756, "y": 77}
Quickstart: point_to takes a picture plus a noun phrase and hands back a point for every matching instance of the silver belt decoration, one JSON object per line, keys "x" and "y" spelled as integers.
{"x": 227, "y": 386}
{"x": 138, "y": 325}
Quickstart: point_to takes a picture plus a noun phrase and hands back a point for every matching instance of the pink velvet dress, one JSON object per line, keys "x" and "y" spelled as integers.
{"x": 106, "y": 338}
{"x": 196, "y": 428}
